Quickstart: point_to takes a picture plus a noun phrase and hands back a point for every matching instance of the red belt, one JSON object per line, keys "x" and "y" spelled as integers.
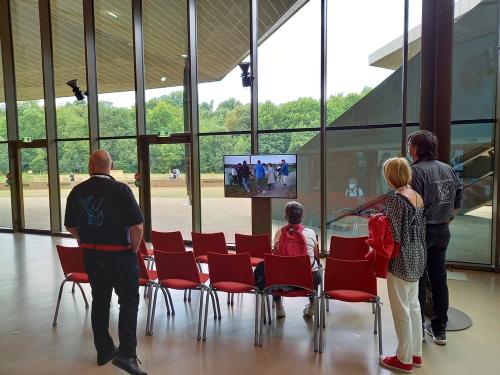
{"x": 105, "y": 247}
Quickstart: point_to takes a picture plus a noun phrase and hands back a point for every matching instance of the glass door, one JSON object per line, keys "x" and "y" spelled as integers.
{"x": 34, "y": 184}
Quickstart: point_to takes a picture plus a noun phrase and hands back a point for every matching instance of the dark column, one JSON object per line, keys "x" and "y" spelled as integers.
{"x": 323, "y": 119}
{"x": 7, "y": 56}
{"x": 437, "y": 48}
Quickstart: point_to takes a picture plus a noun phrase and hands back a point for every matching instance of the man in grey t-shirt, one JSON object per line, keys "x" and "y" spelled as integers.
{"x": 442, "y": 192}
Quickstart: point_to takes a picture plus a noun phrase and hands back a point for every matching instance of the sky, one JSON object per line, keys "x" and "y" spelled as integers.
{"x": 289, "y": 60}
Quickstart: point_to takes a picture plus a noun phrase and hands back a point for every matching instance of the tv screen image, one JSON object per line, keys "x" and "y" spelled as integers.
{"x": 260, "y": 176}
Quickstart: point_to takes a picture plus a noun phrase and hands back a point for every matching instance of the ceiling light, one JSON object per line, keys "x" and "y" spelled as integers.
{"x": 184, "y": 56}
{"x": 163, "y": 79}
{"x": 113, "y": 14}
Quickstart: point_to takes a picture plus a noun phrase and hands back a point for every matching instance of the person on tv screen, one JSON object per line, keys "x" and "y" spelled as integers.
{"x": 245, "y": 175}
{"x": 284, "y": 172}
{"x": 260, "y": 174}
{"x": 271, "y": 177}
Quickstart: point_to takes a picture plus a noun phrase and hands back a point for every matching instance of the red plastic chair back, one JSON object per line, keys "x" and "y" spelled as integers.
{"x": 348, "y": 248}
{"x": 143, "y": 270}
{"x": 71, "y": 259}
{"x": 256, "y": 245}
{"x": 168, "y": 241}
{"x": 287, "y": 270}
{"x": 143, "y": 250}
{"x": 350, "y": 275}
{"x": 235, "y": 268}
{"x": 181, "y": 265}
{"x": 203, "y": 243}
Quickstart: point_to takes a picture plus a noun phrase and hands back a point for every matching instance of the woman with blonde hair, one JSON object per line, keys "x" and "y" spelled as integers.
{"x": 406, "y": 213}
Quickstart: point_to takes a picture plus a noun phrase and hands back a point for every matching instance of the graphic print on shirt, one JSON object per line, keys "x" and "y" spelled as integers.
{"x": 444, "y": 191}
{"x": 95, "y": 214}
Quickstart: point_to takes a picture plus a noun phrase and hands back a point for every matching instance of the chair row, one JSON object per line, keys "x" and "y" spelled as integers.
{"x": 344, "y": 280}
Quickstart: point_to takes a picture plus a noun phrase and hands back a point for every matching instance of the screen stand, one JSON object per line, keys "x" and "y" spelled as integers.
{"x": 261, "y": 216}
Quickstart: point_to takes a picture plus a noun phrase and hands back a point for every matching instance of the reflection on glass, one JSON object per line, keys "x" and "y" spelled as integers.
{"x": 5, "y": 205}
{"x": 165, "y": 69}
{"x": 28, "y": 66}
{"x": 73, "y": 167}
{"x": 35, "y": 188}
{"x": 170, "y": 196}
{"x": 219, "y": 214}
{"x": 124, "y": 155}
{"x": 115, "y": 67}
{"x": 69, "y": 63}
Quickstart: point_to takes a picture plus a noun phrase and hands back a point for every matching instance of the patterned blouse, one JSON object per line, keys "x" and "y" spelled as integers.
{"x": 408, "y": 228}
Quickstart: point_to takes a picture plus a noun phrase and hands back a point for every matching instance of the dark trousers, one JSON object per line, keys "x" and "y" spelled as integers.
{"x": 118, "y": 270}
{"x": 316, "y": 281}
{"x": 437, "y": 238}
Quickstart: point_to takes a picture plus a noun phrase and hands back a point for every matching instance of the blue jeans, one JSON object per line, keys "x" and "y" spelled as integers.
{"x": 437, "y": 239}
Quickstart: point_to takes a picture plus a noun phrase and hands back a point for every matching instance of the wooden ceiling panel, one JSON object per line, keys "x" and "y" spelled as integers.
{"x": 223, "y": 41}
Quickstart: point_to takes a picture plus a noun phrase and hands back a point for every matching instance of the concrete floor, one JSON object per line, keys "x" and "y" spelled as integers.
{"x": 30, "y": 275}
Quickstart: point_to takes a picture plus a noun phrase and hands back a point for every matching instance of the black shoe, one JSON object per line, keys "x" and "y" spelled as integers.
{"x": 438, "y": 337}
{"x": 102, "y": 359}
{"x": 129, "y": 365}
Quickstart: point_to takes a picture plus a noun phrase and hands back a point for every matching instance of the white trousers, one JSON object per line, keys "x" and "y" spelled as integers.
{"x": 403, "y": 296}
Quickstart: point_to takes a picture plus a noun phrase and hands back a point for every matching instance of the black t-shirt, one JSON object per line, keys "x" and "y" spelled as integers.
{"x": 103, "y": 210}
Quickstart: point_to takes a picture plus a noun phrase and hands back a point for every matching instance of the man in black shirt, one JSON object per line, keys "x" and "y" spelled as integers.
{"x": 103, "y": 215}
{"x": 442, "y": 192}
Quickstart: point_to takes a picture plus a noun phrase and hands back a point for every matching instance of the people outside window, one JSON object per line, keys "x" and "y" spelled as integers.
{"x": 104, "y": 217}
{"x": 176, "y": 173}
{"x": 442, "y": 192}
{"x": 260, "y": 175}
{"x": 271, "y": 177}
{"x": 406, "y": 214}
{"x": 295, "y": 239}
{"x": 283, "y": 173}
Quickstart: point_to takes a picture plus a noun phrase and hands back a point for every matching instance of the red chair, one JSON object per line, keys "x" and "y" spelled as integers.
{"x": 208, "y": 242}
{"x": 147, "y": 254}
{"x": 256, "y": 245}
{"x": 290, "y": 272}
{"x": 351, "y": 281}
{"x": 147, "y": 280}
{"x": 179, "y": 271}
{"x": 168, "y": 241}
{"x": 348, "y": 248}
{"x": 232, "y": 274}
{"x": 71, "y": 259}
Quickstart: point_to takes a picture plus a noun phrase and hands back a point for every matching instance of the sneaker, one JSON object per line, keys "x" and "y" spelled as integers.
{"x": 280, "y": 311}
{"x": 438, "y": 337}
{"x": 309, "y": 311}
{"x": 394, "y": 363}
{"x": 129, "y": 365}
{"x": 417, "y": 361}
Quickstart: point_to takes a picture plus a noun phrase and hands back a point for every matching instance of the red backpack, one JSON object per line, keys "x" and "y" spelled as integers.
{"x": 292, "y": 242}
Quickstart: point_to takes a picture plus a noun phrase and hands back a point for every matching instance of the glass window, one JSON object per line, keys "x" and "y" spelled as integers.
{"x": 5, "y": 203}
{"x": 289, "y": 67}
{"x": 3, "y": 114}
{"x": 115, "y": 67}
{"x": 171, "y": 208}
{"x": 223, "y": 42}
{"x": 69, "y": 64}
{"x": 219, "y": 214}
{"x": 165, "y": 69}
{"x": 73, "y": 167}
{"x": 28, "y": 65}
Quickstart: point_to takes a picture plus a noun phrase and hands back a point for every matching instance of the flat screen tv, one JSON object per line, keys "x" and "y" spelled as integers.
{"x": 260, "y": 176}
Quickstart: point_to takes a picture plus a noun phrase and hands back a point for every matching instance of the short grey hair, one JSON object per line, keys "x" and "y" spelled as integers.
{"x": 294, "y": 212}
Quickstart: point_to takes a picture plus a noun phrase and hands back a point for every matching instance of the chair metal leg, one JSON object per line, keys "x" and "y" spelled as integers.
{"x": 73, "y": 288}
{"x": 374, "y": 308}
{"x": 232, "y": 299}
{"x": 214, "y": 307}
{"x": 255, "y": 341}
{"x": 218, "y": 304}
{"x": 322, "y": 323}
{"x": 262, "y": 314}
{"x": 153, "y": 311}
{"x": 54, "y": 322}
{"x": 149, "y": 289}
{"x": 189, "y": 295}
{"x": 83, "y": 294}
{"x": 316, "y": 321}
{"x": 199, "y": 267}
{"x": 170, "y": 300}
{"x": 206, "y": 316}
{"x": 185, "y": 295}
{"x": 268, "y": 300}
{"x": 229, "y": 298}
{"x": 200, "y": 312}
{"x": 327, "y": 305}
{"x": 379, "y": 320}
{"x": 167, "y": 302}
{"x": 375, "y": 323}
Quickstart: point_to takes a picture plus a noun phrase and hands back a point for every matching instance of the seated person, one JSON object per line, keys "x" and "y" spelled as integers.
{"x": 294, "y": 213}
